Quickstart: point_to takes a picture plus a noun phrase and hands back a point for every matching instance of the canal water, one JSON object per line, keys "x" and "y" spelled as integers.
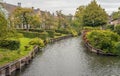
{"x": 70, "y": 58}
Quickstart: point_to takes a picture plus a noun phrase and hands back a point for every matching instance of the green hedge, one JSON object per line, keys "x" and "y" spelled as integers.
{"x": 42, "y": 35}
{"x": 11, "y": 44}
{"x": 111, "y": 27}
{"x": 117, "y": 29}
{"x": 36, "y": 30}
{"x": 62, "y": 31}
{"x": 51, "y": 33}
{"x": 37, "y": 41}
{"x": 58, "y": 34}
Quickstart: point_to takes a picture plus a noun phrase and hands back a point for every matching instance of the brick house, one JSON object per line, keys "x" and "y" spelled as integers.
{"x": 115, "y": 22}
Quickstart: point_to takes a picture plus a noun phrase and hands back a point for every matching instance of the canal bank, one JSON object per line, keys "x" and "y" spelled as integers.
{"x": 8, "y": 69}
{"x": 69, "y": 58}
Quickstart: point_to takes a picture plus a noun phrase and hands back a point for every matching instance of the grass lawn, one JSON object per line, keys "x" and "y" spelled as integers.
{"x": 7, "y": 56}
{"x": 60, "y": 36}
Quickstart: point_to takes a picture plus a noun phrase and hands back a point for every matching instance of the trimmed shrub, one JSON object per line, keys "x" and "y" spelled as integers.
{"x": 74, "y": 33}
{"x": 58, "y": 34}
{"x": 63, "y": 31}
{"x": 36, "y": 30}
{"x": 103, "y": 39}
{"x": 51, "y": 33}
{"x": 30, "y": 34}
{"x": 11, "y": 44}
{"x": 111, "y": 27}
{"x": 91, "y": 28}
{"x": 117, "y": 29}
{"x": 32, "y": 30}
{"x": 117, "y": 48}
{"x": 42, "y": 35}
{"x": 37, "y": 41}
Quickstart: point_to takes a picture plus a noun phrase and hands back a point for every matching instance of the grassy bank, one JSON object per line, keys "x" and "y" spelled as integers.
{"x": 7, "y": 56}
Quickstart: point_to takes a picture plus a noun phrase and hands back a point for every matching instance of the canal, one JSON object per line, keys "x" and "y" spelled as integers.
{"x": 69, "y": 58}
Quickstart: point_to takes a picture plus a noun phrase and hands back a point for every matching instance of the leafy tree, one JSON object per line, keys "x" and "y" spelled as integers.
{"x": 116, "y": 15}
{"x": 61, "y": 19}
{"x": 79, "y": 15}
{"x": 35, "y": 21}
{"x": 117, "y": 29}
{"x": 3, "y": 26}
{"x": 5, "y": 30}
{"x": 94, "y": 15}
{"x": 22, "y": 16}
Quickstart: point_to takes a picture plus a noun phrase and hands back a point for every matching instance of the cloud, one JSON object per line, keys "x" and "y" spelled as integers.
{"x": 68, "y": 6}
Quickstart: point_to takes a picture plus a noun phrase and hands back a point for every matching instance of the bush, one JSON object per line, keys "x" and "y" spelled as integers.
{"x": 42, "y": 35}
{"x": 74, "y": 33}
{"x": 91, "y": 28}
{"x": 37, "y": 41}
{"x": 117, "y": 29}
{"x": 63, "y": 31}
{"x": 32, "y": 30}
{"x": 36, "y": 30}
{"x": 58, "y": 34}
{"x": 103, "y": 40}
{"x": 11, "y": 44}
{"x": 30, "y": 34}
{"x": 117, "y": 48}
{"x": 51, "y": 33}
{"x": 111, "y": 27}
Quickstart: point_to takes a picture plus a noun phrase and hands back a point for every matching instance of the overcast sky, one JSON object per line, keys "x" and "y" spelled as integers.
{"x": 67, "y": 6}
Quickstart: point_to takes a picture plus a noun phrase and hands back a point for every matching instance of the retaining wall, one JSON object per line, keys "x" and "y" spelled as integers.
{"x": 17, "y": 65}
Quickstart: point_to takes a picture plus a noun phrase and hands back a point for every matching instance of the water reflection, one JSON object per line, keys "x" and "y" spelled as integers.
{"x": 69, "y": 58}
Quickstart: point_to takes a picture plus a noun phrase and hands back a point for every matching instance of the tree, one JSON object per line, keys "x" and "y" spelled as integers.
{"x": 61, "y": 18}
{"x": 79, "y": 14}
{"x": 5, "y": 30}
{"x": 3, "y": 26}
{"x": 36, "y": 21}
{"x": 94, "y": 15}
{"x": 116, "y": 15}
{"x": 22, "y": 16}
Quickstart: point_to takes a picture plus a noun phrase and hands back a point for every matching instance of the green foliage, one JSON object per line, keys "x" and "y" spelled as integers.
{"x": 51, "y": 33}
{"x": 5, "y": 30}
{"x": 22, "y": 16}
{"x": 36, "y": 30}
{"x": 92, "y": 15}
{"x": 117, "y": 29}
{"x": 11, "y": 44}
{"x": 91, "y": 28}
{"x": 116, "y": 15}
{"x": 79, "y": 15}
{"x": 103, "y": 39}
{"x": 58, "y": 34}
{"x": 73, "y": 32}
{"x": 7, "y": 55}
{"x": 63, "y": 31}
{"x": 111, "y": 27}
{"x": 117, "y": 48}
{"x": 37, "y": 41}
{"x": 42, "y": 35}
{"x": 35, "y": 21}
{"x": 3, "y": 26}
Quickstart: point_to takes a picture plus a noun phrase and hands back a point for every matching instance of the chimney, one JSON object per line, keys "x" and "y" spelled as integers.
{"x": 19, "y": 4}
{"x": 32, "y": 8}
